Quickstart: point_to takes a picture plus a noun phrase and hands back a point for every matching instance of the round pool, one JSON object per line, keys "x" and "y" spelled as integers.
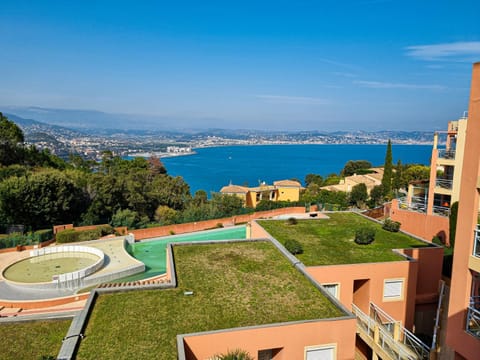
{"x": 43, "y": 268}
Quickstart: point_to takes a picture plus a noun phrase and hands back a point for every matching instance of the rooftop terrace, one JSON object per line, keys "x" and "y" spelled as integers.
{"x": 330, "y": 241}
{"x": 234, "y": 285}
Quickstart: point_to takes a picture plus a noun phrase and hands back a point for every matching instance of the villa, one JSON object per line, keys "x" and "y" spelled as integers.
{"x": 370, "y": 180}
{"x": 282, "y": 190}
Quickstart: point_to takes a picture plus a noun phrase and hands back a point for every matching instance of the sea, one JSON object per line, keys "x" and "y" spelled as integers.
{"x": 212, "y": 168}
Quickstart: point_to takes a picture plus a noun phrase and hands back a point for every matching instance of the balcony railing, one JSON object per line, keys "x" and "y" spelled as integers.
{"x": 417, "y": 203}
{"x": 444, "y": 183}
{"x": 394, "y": 339}
{"x": 446, "y": 154}
{"x": 441, "y": 210}
{"x": 476, "y": 244}
{"x": 473, "y": 317}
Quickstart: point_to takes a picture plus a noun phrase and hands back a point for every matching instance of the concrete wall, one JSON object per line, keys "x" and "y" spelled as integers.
{"x": 38, "y": 304}
{"x": 420, "y": 224}
{"x": 290, "y": 338}
{"x": 375, "y": 273}
{"x": 209, "y": 224}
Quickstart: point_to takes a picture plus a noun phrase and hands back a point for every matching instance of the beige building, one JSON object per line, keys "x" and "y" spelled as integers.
{"x": 282, "y": 190}
{"x": 370, "y": 180}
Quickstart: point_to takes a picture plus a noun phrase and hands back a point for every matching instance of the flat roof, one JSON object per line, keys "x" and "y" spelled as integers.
{"x": 233, "y": 285}
{"x": 330, "y": 241}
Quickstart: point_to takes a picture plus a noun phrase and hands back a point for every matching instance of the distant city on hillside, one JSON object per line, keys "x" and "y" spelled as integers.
{"x": 90, "y": 143}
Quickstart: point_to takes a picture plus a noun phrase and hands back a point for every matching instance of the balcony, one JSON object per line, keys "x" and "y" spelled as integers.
{"x": 476, "y": 243}
{"x": 387, "y": 335}
{"x": 446, "y": 154}
{"x": 473, "y": 317}
{"x": 417, "y": 203}
{"x": 444, "y": 183}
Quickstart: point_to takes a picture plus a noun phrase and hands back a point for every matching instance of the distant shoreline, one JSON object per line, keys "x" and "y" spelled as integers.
{"x": 160, "y": 155}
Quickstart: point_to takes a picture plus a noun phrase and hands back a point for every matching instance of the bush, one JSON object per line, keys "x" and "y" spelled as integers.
{"x": 237, "y": 354}
{"x": 293, "y": 246}
{"x": 390, "y": 225}
{"x": 43, "y": 235}
{"x": 292, "y": 221}
{"x": 364, "y": 235}
{"x": 72, "y": 235}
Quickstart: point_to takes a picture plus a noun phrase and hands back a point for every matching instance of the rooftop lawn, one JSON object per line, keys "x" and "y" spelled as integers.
{"x": 32, "y": 340}
{"x": 330, "y": 241}
{"x": 235, "y": 284}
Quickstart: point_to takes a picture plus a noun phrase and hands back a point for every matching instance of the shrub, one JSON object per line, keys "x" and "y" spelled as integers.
{"x": 292, "y": 221}
{"x": 72, "y": 235}
{"x": 390, "y": 225}
{"x": 293, "y": 246}
{"x": 364, "y": 235}
{"x": 219, "y": 225}
{"x": 67, "y": 236}
{"x": 237, "y": 354}
{"x": 43, "y": 235}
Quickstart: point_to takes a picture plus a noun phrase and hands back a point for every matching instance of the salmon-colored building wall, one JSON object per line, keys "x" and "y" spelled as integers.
{"x": 290, "y": 338}
{"x": 210, "y": 224}
{"x": 430, "y": 262}
{"x": 422, "y": 225}
{"x": 464, "y": 344}
{"x": 375, "y": 273}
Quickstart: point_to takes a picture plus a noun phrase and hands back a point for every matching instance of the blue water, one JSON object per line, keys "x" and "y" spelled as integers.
{"x": 212, "y": 168}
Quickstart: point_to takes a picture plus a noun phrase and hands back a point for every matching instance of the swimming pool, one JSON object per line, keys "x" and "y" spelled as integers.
{"x": 153, "y": 254}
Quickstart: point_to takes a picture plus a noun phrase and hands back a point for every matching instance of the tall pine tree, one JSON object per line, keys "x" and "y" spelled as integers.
{"x": 387, "y": 171}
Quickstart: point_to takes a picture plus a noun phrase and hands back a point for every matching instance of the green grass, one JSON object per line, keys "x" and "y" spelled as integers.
{"x": 32, "y": 340}
{"x": 238, "y": 284}
{"x": 330, "y": 241}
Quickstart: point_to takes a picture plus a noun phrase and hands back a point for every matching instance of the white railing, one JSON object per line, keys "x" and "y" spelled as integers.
{"x": 476, "y": 244}
{"x": 473, "y": 317}
{"x": 393, "y": 338}
{"x": 404, "y": 336}
{"x": 417, "y": 203}
{"x": 72, "y": 279}
{"x": 446, "y": 154}
{"x": 444, "y": 183}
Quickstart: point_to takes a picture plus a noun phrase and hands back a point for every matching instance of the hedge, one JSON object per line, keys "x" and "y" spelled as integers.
{"x": 72, "y": 235}
{"x": 17, "y": 238}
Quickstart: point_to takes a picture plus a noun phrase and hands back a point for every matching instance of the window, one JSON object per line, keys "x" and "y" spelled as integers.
{"x": 393, "y": 289}
{"x": 320, "y": 353}
{"x": 332, "y": 289}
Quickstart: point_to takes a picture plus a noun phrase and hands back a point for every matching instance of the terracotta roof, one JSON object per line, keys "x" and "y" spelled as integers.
{"x": 234, "y": 189}
{"x": 289, "y": 183}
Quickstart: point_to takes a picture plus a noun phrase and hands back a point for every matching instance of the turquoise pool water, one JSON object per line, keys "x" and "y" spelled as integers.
{"x": 153, "y": 252}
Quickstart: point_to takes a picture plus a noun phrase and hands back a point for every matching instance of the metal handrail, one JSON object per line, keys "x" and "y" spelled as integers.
{"x": 444, "y": 183}
{"x": 476, "y": 244}
{"x": 446, "y": 154}
{"x": 408, "y": 346}
{"x": 473, "y": 322}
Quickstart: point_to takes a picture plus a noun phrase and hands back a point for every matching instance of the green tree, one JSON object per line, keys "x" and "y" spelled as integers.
{"x": 165, "y": 215}
{"x": 354, "y": 167}
{"x": 397, "y": 178}
{"x": 453, "y": 223}
{"x": 11, "y": 136}
{"x": 332, "y": 179}
{"x": 313, "y": 179}
{"x": 41, "y": 199}
{"x": 415, "y": 172}
{"x": 376, "y": 196}
{"x": 128, "y": 218}
{"x": 359, "y": 195}
{"x": 388, "y": 172}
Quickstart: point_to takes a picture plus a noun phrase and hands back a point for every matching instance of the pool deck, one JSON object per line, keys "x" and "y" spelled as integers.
{"x": 116, "y": 259}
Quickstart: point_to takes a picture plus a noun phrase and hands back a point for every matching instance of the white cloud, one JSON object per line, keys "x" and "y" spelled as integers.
{"x": 387, "y": 85}
{"x": 300, "y": 100}
{"x": 456, "y": 51}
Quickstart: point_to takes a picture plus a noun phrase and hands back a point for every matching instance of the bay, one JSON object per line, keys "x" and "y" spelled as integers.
{"x": 212, "y": 168}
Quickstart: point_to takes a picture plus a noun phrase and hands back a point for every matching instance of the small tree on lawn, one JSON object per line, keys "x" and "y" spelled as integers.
{"x": 359, "y": 195}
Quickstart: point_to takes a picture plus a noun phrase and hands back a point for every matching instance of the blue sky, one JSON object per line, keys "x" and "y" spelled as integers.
{"x": 284, "y": 65}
